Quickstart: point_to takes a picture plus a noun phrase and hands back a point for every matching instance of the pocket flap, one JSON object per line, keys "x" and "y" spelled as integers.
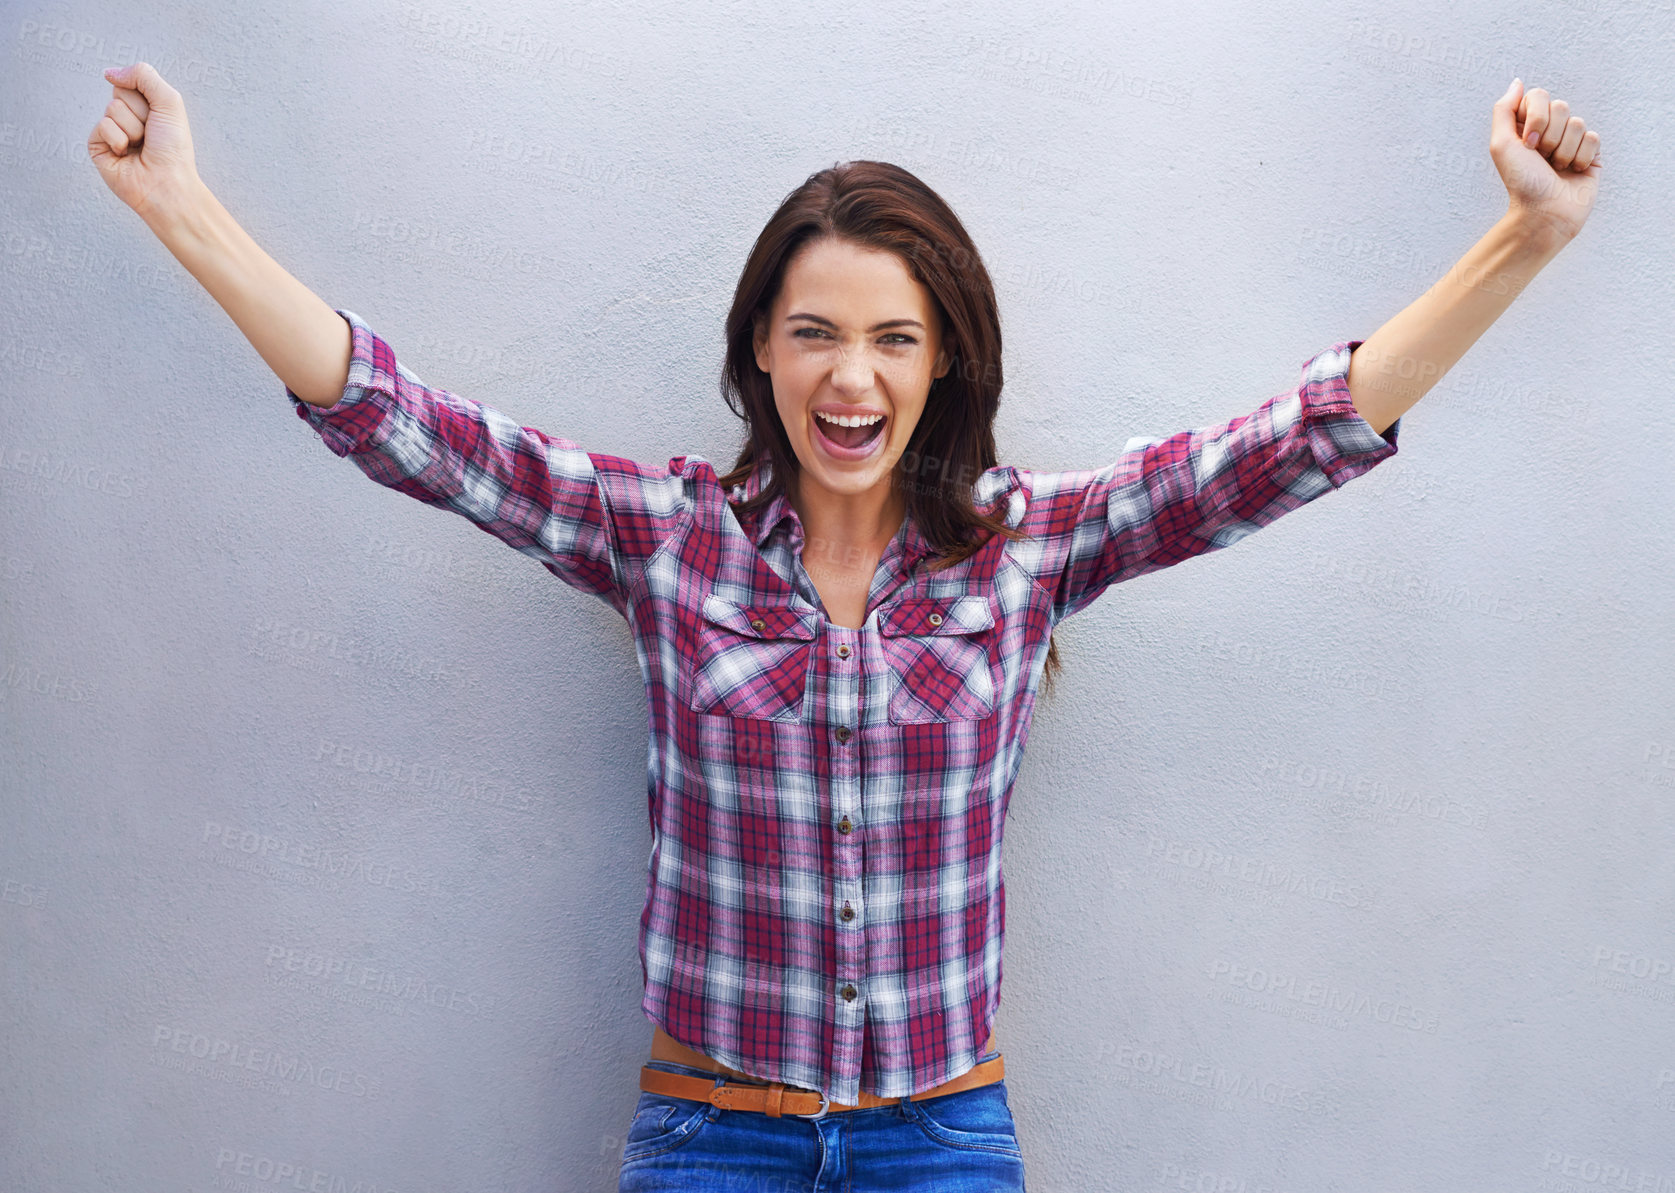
{"x": 760, "y": 621}
{"x": 926, "y": 616}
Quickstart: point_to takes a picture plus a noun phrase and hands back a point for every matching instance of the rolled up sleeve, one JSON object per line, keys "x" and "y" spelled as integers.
{"x": 545, "y": 496}
{"x": 1165, "y": 500}
{"x": 356, "y": 421}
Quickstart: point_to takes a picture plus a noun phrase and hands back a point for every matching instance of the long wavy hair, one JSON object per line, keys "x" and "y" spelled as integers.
{"x": 881, "y": 206}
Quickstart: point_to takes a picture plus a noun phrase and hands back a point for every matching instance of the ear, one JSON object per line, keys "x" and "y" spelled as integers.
{"x": 944, "y": 362}
{"x": 759, "y": 343}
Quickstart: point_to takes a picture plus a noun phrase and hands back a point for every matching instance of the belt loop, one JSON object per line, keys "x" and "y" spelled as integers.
{"x": 776, "y": 1096}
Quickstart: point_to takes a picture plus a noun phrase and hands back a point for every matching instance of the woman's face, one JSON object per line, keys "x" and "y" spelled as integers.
{"x": 851, "y": 334}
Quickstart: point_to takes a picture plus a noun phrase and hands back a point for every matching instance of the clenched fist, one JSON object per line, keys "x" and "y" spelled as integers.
{"x": 143, "y": 145}
{"x": 1548, "y": 159}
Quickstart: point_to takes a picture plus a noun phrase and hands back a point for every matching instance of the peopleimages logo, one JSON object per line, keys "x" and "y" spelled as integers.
{"x": 1210, "y": 1084}
{"x": 435, "y": 779}
{"x": 267, "y": 1063}
{"x": 1285, "y": 990}
{"x": 303, "y": 857}
{"x": 404, "y": 989}
{"x": 1257, "y": 873}
{"x": 266, "y": 1170}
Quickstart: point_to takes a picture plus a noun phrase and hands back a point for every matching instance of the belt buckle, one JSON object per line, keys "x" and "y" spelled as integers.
{"x": 825, "y": 1102}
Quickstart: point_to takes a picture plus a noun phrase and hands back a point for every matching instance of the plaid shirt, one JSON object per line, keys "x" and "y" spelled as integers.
{"x": 824, "y": 899}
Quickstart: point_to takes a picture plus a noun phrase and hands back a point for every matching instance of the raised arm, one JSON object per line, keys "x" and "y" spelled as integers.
{"x": 143, "y": 149}
{"x": 1168, "y": 499}
{"x": 589, "y": 518}
{"x": 1165, "y": 500}
{"x": 1549, "y": 161}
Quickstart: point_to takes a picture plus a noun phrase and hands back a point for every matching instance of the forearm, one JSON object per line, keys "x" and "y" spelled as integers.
{"x": 303, "y": 340}
{"x": 1402, "y": 360}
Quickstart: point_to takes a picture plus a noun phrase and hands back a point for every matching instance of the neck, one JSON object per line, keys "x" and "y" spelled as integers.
{"x": 867, "y": 520}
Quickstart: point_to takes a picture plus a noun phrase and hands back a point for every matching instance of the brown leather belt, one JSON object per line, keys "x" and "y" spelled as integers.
{"x": 776, "y": 1099}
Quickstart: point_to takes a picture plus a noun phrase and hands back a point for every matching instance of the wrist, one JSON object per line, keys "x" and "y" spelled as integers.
{"x": 1532, "y": 233}
{"x": 181, "y": 213}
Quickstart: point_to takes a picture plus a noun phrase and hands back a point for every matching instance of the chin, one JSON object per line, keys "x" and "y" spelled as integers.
{"x": 849, "y": 481}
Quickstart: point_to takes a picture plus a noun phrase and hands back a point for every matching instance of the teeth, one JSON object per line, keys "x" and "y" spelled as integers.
{"x": 849, "y": 420}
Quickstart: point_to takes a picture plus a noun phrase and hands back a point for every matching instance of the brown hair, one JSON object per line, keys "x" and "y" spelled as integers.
{"x": 882, "y": 206}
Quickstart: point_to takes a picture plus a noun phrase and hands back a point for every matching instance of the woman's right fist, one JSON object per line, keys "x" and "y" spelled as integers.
{"x": 143, "y": 145}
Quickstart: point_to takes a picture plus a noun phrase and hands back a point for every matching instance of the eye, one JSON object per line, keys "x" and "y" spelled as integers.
{"x": 896, "y": 336}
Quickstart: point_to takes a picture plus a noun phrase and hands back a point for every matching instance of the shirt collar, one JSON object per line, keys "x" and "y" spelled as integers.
{"x": 993, "y": 491}
{"x": 772, "y": 514}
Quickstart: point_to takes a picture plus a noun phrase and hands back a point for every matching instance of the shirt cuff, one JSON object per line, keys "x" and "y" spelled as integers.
{"x": 357, "y": 420}
{"x": 1344, "y": 444}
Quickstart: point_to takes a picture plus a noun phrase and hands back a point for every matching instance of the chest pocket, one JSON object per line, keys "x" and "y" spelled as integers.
{"x": 752, "y": 660}
{"x": 937, "y": 650}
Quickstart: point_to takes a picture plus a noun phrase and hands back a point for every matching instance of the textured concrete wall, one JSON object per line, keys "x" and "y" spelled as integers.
{"x": 1341, "y": 860}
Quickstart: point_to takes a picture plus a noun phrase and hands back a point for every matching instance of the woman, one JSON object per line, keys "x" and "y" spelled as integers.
{"x": 842, "y": 636}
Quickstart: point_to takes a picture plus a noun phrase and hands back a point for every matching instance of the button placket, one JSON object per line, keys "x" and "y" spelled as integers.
{"x": 848, "y": 857}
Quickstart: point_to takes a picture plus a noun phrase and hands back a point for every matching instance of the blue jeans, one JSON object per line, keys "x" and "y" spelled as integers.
{"x": 957, "y": 1143}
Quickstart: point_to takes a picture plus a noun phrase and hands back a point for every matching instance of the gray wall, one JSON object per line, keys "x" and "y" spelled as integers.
{"x": 1435, "y": 706}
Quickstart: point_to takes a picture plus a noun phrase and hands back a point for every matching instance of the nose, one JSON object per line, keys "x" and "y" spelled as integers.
{"x": 853, "y": 373}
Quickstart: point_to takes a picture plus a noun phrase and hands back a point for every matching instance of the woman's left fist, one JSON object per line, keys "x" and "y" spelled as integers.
{"x": 1548, "y": 159}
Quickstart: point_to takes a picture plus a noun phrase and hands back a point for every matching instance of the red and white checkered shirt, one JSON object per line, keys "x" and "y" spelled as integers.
{"x": 827, "y": 803}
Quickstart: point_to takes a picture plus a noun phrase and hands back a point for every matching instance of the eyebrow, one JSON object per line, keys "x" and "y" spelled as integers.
{"x": 874, "y": 327}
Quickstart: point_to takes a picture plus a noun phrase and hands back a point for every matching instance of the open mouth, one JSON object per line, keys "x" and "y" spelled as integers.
{"x": 851, "y": 438}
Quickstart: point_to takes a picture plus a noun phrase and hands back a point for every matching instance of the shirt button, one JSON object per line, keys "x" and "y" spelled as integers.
{"x": 848, "y": 913}
{"x": 935, "y": 619}
{"x": 843, "y": 733}
{"x": 843, "y": 651}
{"x": 848, "y": 994}
{"x": 757, "y": 624}
{"x": 844, "y": 825}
